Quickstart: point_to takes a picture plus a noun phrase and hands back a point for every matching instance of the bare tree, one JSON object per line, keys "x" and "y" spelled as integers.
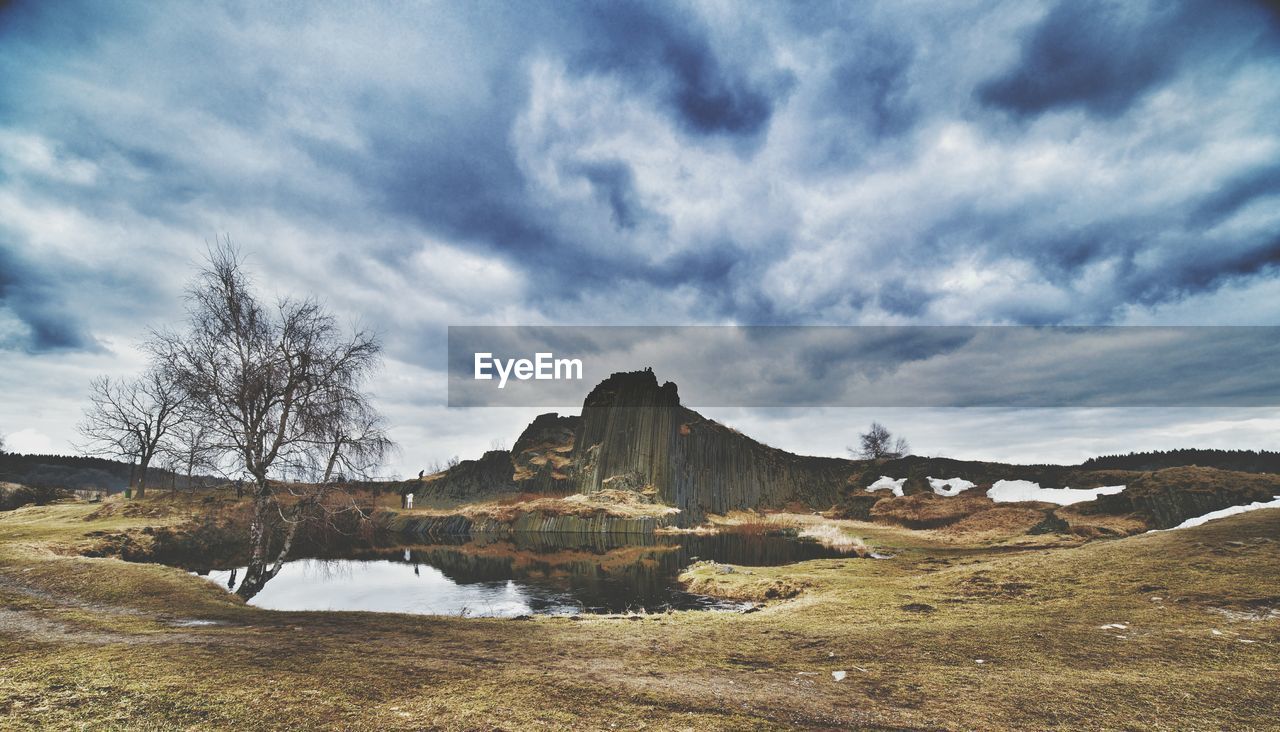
{"x": 190, "y": 450}
{"x": 878, "y": 443}
{"x": 265, "y": 381}
{"x": 354, "y": 438}
{"x": 131, "y": 419}
{"x": 169, "y": 463}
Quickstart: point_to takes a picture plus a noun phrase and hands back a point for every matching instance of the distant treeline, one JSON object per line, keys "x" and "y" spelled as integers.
{"x": 85, "y": 473}
{"x": 1245, "y": 461}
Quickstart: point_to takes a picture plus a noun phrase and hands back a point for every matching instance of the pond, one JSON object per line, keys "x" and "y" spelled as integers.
{"x": 535, "y": 574}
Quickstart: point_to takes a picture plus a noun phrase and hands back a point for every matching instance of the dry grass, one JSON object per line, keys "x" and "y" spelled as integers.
{"x": 92, "y": 644}
{"x": 614, "y": 503}
{"x": 929, "y": 510}
{"x": 1097, "y": 525}
{"x": 1240, "y": 487}
{"x": 836, "y": 538}
{"x": 998, "y": 521}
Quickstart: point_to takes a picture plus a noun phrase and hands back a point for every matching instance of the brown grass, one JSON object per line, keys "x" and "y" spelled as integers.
{"x": 1093, "y": 525}
{"x": 94, "y": 644}
{"x": 998, "y": 521}
{"x": 929, "y": 510}
{"x": 1240, "y": 487}
{"x": 614, "y": 503}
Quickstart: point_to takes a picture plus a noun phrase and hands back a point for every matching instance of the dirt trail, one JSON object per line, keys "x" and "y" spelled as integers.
{"x": 35, "y": 623}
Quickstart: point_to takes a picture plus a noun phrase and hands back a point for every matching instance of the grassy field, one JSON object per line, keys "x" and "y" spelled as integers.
{"x": 1176, "y": 630}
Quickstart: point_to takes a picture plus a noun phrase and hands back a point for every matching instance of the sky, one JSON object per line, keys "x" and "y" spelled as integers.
{"x": 420, "y": 165}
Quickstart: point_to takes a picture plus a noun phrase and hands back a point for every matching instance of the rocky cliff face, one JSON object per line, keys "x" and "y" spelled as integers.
{"x": 542, "y": 457}
{"x": 471, "y": 478}
{"x": 634, "y": 435}
{"x": 1169, "y": 497}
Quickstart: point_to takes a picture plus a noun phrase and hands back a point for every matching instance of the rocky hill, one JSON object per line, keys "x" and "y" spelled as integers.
{"x": 634, "y": 435}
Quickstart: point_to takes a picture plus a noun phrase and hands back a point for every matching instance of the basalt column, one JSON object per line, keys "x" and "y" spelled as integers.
{"x": 625, "y": 436}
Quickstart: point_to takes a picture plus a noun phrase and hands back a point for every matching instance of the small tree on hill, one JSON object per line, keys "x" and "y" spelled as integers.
{"x": 132, "y": 419}
{"x": 878, "y": 443}
{"x": 190, "y": 451}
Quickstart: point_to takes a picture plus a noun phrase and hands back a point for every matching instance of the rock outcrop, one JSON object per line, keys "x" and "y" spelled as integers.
{"x": 1169, "y": 497}
{"x": 491, "y": 474}
{"x": 542, "y": 457}
{"x": 635, "y": 436}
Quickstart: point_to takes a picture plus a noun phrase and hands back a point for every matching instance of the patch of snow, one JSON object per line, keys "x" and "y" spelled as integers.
{"x": 1215, "y": 631}
{"x": 1113, "y": 626}
{"x": 887, "y": 483}
{"x": 1010, "y": 491}
{"x": 839, "y": 675}
{"x": 949, "y": 486}
{"x": 1225, "y": 512}
{"x": 979, "y": 660}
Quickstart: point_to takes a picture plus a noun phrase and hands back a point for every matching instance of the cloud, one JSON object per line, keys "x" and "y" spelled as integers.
{"x": 1103, "y": 55}
{"x": 29, "y": 297}
{"x": 661, "y": 50}
{"x": 28, "y": 441}
{"x": 1100, "y": 55}
{"x": 421, "y": 165}
{"x": 888, "y": 366}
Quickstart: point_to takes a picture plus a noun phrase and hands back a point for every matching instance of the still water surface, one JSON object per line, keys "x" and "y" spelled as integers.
{"x": 533, "y": 574}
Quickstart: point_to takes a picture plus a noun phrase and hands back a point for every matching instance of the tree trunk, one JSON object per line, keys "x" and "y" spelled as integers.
{"x": 255, "y": 575}
{"x": 333, "y": 460}
{"x": 262, "y": 569}
{"x": 142, "y": 478}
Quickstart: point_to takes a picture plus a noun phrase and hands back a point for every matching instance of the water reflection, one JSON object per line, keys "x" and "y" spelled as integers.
{"x": 524, "y": 574}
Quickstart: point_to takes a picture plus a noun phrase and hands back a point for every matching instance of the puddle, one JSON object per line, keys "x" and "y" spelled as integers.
{"x": 530, "y": 575}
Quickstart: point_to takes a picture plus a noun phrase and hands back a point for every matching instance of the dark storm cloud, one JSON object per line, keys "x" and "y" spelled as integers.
{"x": 1099, "y": 55}
{"x": 872, "y": 87}
{"x": 416, "y": 165}
{"x": 615, "y": 185}
{"x": 1243, "y": 189}
{"x": 656, "y": 46}
{"x": 32, "y": 295}
{"x": 1103, "y": 54}
{"x": 644, "y": 161}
